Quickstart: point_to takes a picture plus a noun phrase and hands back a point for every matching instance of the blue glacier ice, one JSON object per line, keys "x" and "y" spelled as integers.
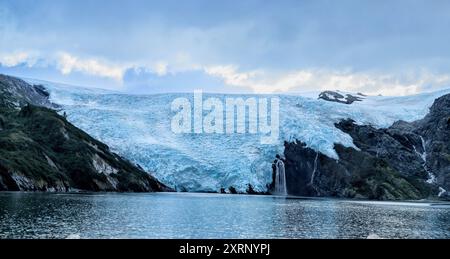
{"x": 138, "y": 128}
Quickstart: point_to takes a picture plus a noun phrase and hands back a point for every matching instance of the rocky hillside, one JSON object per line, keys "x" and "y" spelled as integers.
{"x": 41, "y": 151}
{"x": 16, "y": 93}
{"x": 404, "y": 161}
{"x": 333, "y": 96}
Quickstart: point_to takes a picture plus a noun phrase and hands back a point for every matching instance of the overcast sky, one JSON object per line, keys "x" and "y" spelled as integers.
{"x": 388, "y": 47}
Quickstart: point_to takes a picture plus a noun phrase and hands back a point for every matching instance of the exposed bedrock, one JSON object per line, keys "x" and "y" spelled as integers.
{"x": 404, "y": 161}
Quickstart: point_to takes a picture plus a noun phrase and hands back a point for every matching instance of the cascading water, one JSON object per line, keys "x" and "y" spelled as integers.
{"x": 280, "y": 178}
{"x": 431, "y": 177}
{"x": 441, "y": 191}
{"x": 313, "y": 175}
{"x": 423, "y": 156}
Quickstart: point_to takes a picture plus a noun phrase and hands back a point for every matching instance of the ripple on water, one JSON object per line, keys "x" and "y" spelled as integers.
{"x": 176, "y": 215}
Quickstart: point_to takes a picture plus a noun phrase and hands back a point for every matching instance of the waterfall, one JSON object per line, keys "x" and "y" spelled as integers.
{"x": 441, "y": 191}
{"x": 431, "y": 177}
{"x": 313, "y": 175}
{"x": 423, "y": 156}
{"x": 280, "y": 178}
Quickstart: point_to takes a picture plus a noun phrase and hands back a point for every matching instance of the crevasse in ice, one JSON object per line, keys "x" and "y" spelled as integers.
{"x": 138, "y": 128}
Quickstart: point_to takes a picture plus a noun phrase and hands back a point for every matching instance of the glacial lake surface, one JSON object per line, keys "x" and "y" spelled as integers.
{"x": 190, "y": 215}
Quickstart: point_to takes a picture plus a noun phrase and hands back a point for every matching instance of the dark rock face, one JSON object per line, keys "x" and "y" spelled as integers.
{"x": 404, "y": 161}
{"x": 355, "y": 175}
{"x": 337, "y": 97}
{"x": 40, "y": 89}
{"x": 41, "y": 151}
{"x": 435, "y": 130}
{"x": 232, "y": 190}
{"x": 249, "y": 190}
{"x": 15, "y": 92}
{"x": 398, "y": 145}
{"x": 299, "y": 168}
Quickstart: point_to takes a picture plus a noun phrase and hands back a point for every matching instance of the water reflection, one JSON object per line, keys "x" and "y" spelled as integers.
{"x": 34, "y": 215}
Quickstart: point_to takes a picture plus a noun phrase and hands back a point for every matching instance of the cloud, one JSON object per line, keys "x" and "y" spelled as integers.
{"x": 161, "y": 68}
{"x": 231, "y": 76}
{"x": 259, "y": 81}
{"x": 68, "y": 63}
{"x": 17, "y": 58}
{"x": 165, "y": 76}
{"x": 145, "y": 81}
{"x": 282, "y": 46}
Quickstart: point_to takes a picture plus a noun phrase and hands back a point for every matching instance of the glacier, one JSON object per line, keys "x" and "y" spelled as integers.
{"x": 138, "y": 128}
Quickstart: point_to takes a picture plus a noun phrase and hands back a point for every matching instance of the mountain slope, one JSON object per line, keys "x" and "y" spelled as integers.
{"x": 41, "y": 151}
{"x": 403, "y": 161}
{"x": 139, "y": 128}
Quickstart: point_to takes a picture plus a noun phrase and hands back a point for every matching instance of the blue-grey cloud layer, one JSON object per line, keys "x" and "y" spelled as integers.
{"x": 274, "y": 36}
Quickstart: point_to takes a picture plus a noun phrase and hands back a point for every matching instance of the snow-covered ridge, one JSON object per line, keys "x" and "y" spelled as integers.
{"x": 336, "y": 96}
{"x": 138, "y": 127}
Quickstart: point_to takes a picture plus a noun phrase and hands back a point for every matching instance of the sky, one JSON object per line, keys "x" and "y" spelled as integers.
{"x": 383, "y": 47}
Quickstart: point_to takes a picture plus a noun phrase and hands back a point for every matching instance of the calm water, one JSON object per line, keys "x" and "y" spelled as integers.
{"x": 172, "y": 215}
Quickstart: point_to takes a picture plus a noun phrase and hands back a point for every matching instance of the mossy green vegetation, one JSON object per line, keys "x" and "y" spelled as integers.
{"x": 41, "y": 150}
{"x": 375, "y": 179}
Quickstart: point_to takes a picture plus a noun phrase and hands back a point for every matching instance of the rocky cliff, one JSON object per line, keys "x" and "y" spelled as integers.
{"x": 404, "y": 161}
{"x": 333, "y": 96}
{"x": 41, "y": 151}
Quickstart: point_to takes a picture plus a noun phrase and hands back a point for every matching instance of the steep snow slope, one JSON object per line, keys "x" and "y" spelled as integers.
{"x": 138, "y": 127}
